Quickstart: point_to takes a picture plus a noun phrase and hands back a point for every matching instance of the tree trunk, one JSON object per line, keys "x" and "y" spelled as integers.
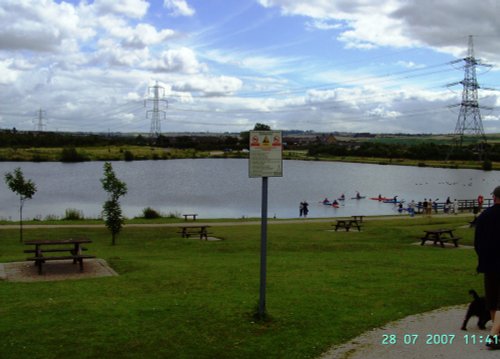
{"x": 21, "y": 222}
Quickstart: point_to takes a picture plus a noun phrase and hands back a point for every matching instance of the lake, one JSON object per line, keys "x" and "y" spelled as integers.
{"x": 221, "y": 188}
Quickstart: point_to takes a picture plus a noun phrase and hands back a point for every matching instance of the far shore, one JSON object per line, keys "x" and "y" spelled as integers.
{"x": 142, "y": 153}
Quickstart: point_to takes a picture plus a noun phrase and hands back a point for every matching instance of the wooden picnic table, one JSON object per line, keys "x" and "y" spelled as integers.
{"x": 440, "y": 235}
{"x": 192, "y": 215}
{"x": 358, "y": 218}
{"x": 189, "y": 230}
{"x": 72, "y": 245}
{"x": 346, "y": 224}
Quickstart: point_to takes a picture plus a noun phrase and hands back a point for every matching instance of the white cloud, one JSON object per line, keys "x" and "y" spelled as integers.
{"x": 221, "y": 85}
{"x": 127, "y": 118}
{"x": 87, "y": 62}
{"x": 7, "y": 74}
{"x": 112, "y": 53}
{"x": 179, "y": 7}
{"x": 146, "y": 35}
{"x": 410, "y": 65}
{"x": 177, "y": 60}
{"x": 133, "y": 96}
{"x": 268, "y": 65}
{"x": 381, "y": 112}
{"x": 39, "y": 25}
{"x": 367, "y": 24}
{"x": 442, "y": 25}
{"x": 130, "y": 8}
{"x": 319, "y": 24}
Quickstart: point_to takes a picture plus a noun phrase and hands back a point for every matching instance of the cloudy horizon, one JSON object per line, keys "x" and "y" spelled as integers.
{"x": 346, "y": 66}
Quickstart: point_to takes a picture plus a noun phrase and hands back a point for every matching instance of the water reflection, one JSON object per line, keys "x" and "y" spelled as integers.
{"x": 221, "y": 188}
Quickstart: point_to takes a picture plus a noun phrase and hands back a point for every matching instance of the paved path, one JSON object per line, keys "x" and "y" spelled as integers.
{"x": 429, "y": 335}
{"x": 221, "y": 224}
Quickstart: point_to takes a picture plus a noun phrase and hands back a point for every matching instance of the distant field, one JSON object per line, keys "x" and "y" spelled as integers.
{"x": 438, "y": 139}
{"x": 99, "y": 153}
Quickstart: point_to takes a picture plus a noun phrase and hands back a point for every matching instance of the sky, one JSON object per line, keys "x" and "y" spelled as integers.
{"x": 380, "y": 66}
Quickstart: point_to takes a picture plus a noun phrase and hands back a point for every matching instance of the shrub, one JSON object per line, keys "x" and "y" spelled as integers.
{"x": 72, "y": 214}
{"x": 70, "y": 154}
{"x": 174, "y": 215}
{"x": 128, "y": 155}
{"x": 487, "y": 165}
{"x": 150, "y": 213}
{"x": 51, "y": 217}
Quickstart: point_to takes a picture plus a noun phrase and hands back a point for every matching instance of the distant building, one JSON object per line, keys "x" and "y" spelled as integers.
{"x": 328, "y": 139}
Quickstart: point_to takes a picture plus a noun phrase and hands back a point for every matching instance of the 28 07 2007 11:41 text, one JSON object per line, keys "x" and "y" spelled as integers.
{"x": 437, "y": 339}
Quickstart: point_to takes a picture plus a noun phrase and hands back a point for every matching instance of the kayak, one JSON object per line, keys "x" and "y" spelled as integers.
{"x": 392, "y": 201}
{"x": 381, "y": 198}
{"x": 331, "y": 204}
{"x": 358, "y": 197}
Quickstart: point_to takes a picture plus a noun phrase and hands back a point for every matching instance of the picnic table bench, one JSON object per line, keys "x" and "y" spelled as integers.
{"x": 347, "y": 224}
{"x": 440, "y": 235}
{"x": 201, "y": 230}
{"x": 73, "y": 246}
{"x": 192, "y": 215}
{"x": 358, "y": 218}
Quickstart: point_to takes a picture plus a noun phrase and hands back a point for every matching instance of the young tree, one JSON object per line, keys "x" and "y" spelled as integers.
{"x": 24, "y": 188}
{"x": 111, "y": 208}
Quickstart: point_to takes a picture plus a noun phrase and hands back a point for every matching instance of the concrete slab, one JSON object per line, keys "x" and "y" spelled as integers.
{"x": 55, "y": 270}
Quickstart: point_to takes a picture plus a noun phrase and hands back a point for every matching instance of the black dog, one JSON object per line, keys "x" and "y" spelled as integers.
{"x": 477, "y": 308}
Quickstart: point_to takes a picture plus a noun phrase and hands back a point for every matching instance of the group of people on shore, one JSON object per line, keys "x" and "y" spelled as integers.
{"x": 303, "y": 209}
{"x": 427, "y": 206}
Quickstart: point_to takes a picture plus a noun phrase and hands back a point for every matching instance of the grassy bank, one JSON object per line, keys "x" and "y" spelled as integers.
{"x": 302, "y": 155}
{"x": 105, "y": 153}
{"x": 186, "y": 298}
{"x": 138, "y": 153}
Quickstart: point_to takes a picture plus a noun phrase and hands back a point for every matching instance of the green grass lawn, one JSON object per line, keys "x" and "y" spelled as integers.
{"x": 186, "y": 298}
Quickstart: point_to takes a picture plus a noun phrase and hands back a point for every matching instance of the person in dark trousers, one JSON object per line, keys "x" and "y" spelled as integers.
{"x": 487, "y": 246}
{"x": 306, "y": 209}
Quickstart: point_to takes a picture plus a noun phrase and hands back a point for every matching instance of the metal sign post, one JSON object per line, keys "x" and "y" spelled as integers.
{"x": 266, "y": 160}
{"x": 263, "y": 250}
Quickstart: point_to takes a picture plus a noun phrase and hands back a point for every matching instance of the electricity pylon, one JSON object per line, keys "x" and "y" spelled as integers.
{"x": 40, "y": 117}
{"x": 156, "y": 113}
{"x": 469, "y": 118}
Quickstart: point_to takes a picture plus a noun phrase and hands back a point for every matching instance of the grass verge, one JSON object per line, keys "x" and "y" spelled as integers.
{"x": 186, "y": 298}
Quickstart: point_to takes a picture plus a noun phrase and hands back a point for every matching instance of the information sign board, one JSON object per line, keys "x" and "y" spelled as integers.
{"x": 266, "y": 154}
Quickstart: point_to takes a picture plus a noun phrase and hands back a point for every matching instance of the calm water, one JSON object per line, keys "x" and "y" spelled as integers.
{"x": 220, "y": 188}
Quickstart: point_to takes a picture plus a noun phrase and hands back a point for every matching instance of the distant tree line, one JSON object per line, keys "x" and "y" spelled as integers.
{"x": 18, "y": 139}
{"x": 420, "y": 151}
